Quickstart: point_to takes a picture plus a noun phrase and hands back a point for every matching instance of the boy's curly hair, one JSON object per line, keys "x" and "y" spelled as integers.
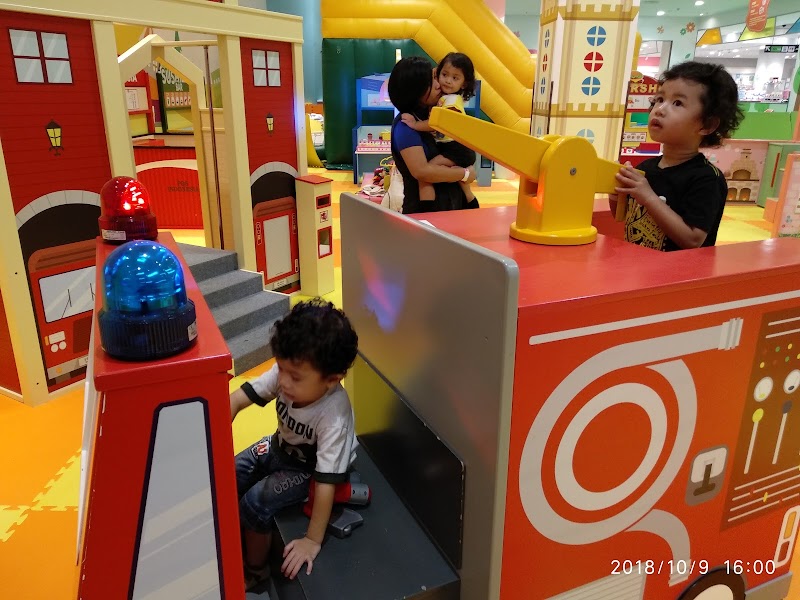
{"x": 720, "y": 97}
{"x": 319, "y": 333}
{"x": 460, "y": 61}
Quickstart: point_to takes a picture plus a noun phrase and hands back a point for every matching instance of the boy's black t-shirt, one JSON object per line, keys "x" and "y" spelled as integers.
{"x": 694, "y": 189}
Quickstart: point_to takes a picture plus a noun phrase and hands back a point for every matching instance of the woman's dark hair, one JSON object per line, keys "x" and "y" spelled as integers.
{"x": 319, "y": 333}
{"x": 409, "y": 82}
{"x": 463, "y": 62}
{"x": 720, "y": 97}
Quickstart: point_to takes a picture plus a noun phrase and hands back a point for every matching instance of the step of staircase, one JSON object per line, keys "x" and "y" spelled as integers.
{"x": 230, "y": 286}
{"x": 208, "y": 262}
{"x": 252, "y": 347}
{"x": 242, "y": 309}
{"x": 248, "y": 313}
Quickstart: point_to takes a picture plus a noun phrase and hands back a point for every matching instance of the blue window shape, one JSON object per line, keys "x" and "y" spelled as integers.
{"x": 596, "y": 36}
{"x": 590, "y": 86}
{"x": 543, "y": 87}
{"x": 547, "y": 39}
{"x": 588, "y": 134}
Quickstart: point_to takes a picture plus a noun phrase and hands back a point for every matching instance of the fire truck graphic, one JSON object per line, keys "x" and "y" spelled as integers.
{"x": 61, "y": 278}
{"x": 708, "y": 498}
{"x": 63, "y": 286}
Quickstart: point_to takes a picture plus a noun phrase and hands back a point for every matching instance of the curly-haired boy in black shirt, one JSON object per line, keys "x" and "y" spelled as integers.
{"x": 678, "y": 202}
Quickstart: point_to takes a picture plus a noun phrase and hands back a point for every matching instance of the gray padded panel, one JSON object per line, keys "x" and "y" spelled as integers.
{"x": 436, "y": 316}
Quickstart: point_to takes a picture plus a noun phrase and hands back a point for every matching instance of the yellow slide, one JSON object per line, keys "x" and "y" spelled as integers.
{"x": 313, "y": 157}
{"x": 502, "y": 63}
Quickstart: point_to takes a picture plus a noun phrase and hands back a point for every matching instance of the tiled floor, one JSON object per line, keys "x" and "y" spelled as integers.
{"x": 39, "y": 447}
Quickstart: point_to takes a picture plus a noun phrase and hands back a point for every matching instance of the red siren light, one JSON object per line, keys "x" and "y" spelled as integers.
{"x": 125, "y": 212}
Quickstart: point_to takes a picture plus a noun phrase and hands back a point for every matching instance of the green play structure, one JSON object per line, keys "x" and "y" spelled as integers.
{"x": 344, "y": 61}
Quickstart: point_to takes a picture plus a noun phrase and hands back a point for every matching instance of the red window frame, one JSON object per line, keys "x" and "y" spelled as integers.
{"x": 42, "y": 58}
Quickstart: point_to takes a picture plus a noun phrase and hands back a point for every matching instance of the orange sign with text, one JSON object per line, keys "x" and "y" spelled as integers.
{"x": 757, "y": 15}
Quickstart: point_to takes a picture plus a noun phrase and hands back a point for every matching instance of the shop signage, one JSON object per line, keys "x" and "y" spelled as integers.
{"x": 782, "y": 49}
{"x": 757, "y": 15}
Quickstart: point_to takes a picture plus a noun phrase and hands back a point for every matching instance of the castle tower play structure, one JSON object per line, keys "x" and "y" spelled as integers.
{"x": 585, "y": 56}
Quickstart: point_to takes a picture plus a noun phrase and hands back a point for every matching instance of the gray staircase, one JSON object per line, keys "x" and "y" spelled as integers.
{"x": 244, "y": 312}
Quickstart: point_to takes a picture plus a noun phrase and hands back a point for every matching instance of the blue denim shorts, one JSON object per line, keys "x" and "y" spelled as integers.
{"x": 266, "y": 483}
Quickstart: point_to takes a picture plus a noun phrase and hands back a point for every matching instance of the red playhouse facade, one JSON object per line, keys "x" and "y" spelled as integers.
{"x": 57, "y": 161}
{"x": 62, "y": 140}
{"x": 271, "y": 142}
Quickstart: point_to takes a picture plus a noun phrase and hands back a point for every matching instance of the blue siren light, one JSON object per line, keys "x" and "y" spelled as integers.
{"x": 146, "y": 314}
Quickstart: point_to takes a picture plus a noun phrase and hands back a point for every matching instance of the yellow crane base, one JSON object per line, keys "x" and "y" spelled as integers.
{"x": 563, "y": 237}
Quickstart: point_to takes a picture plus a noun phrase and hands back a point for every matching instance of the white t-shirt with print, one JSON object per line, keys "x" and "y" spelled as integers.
{"x": 321, "y": 434}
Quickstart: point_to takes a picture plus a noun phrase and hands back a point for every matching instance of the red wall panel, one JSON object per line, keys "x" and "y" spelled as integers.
{"x": 174, "y": 197}
{"x": 146, "y": 154}
{"x": 26, "y": 108}
{"x": 174, "y": 191}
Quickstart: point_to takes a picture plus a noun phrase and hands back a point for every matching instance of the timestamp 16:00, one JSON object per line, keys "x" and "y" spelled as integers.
{"x": 690, "y": 567}
{"x": 757, "y": 567}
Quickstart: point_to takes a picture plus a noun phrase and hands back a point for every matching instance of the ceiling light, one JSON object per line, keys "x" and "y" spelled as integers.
{"x": 660, "y": 13}
{"x": 701, "y": 14}
{"x": 699, "y": 3}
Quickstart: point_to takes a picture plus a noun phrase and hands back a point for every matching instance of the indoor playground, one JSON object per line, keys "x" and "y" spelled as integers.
{"x": 543, "y": 409}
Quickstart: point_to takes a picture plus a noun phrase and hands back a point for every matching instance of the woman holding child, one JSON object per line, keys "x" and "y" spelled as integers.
{"x": 413, "y": 89}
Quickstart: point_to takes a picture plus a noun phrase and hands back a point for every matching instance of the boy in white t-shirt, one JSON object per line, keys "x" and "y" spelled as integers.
{"x": 314, "y": 346}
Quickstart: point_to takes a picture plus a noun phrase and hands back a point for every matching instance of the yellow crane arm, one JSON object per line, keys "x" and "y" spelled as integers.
{"x": 559, "y": 176}
{"x": 513, "y": 149}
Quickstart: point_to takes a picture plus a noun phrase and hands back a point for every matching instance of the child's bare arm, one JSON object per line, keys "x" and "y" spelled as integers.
{"x": 422, "y": 170}
{"x": 424, "y": 126}
{"x": 239, "y": 401}
{"x": 471, "y": 174}
{"x": 441, "y": 160}
{"x": 305, "y": 550}
{"x": 416, "y": 125}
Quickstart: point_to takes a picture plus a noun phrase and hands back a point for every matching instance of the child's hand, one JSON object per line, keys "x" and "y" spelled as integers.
{"x": 634, "y": 183}
{"x": 408, "y": 119}
{"x": 296, "y": 553}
